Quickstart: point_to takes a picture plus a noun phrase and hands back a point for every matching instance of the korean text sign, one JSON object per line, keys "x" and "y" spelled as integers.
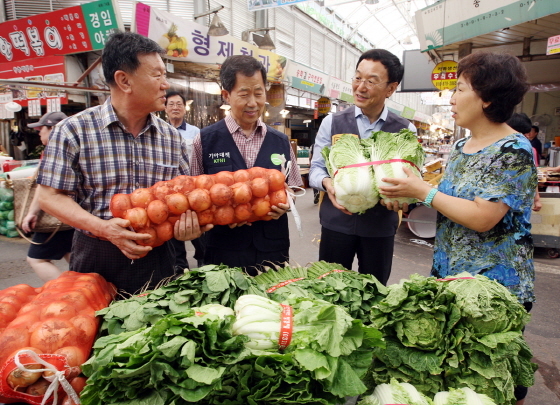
{"x": 62, "y": 32}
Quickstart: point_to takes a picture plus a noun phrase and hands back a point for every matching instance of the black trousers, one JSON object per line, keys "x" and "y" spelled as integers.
{"x": 250, "y": 260}
{"x": 375, "y": 254}
{"x": 93, "y": 255}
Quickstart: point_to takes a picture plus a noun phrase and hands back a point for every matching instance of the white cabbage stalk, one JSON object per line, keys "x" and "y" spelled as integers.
{"x": 258, "y": 318}
{"x": 354, "y": 187}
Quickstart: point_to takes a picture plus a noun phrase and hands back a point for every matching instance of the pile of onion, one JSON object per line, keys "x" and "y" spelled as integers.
{"x": 223, "y": 198}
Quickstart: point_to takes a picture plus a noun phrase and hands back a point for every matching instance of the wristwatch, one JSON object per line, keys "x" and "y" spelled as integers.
{"x": 430, "y": 197}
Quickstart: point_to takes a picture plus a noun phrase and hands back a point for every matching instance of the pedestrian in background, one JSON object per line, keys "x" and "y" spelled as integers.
{"x": 485, "y": 197}
{"x": 245, "y": 141}
{"x": 369, "y": 236}
{"x": 43, "y": 251}
{"x": 176, "y": 110}
{"x": 115, "y": 148}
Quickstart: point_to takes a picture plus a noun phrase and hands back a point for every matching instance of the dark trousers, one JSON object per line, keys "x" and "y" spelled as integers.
{"x": 520, "y": 391}
{"x": 180, "y": 254}
{"x": 93, "y": 255}
{"x": 251, "y": 260}
{"x": 375, "y": 254}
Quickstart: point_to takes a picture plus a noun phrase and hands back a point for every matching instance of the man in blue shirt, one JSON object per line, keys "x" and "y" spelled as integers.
{"x": 369, "y": 236}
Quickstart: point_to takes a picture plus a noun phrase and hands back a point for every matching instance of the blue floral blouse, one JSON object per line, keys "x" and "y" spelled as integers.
{"x": 503, "y": 171}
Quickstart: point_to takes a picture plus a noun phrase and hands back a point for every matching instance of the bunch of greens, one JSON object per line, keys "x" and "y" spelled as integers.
{"x": 180, "y": 359}
{"x": 462, "y": 396}
{"x": 211, "y": 284}
{"x": 395, "y": 393}
{"x": 326, "y": 281}
{"x": 354, "y": 186}
{"x": 394, "y": 146}
{"x": 461, "y": 331}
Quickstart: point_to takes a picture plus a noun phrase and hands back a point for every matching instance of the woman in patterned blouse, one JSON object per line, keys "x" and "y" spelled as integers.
{"x": 485, "y": 197}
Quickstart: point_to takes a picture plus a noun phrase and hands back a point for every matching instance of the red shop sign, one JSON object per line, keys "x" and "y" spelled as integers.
{"x": 71, "y": 30}
{"x": 50, "y": 69}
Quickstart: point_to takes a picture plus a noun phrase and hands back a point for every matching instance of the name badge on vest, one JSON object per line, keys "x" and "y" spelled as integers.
{"x": 219, "y": 157}
{"x": 336, "y": 137}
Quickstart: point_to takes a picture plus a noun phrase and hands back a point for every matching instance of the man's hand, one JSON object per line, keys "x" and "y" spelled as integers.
{"x": 115, "y": 231}
{"x": 279, "y": 210}
{"x": 187, "y": 227}
{"x": 327, "y": 184}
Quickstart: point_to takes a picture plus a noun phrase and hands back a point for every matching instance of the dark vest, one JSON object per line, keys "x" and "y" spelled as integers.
{"x": 377, "y": 221}
{"x": 219, "y": 153}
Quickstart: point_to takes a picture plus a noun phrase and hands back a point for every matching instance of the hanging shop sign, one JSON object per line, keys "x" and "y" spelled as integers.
{"x": 444, "y": 75}
{"x": 188, "y": 41}
{"x": 553, "y": 45}
{"x": 340, "y": 90}
{"x": 49, "y": 69}
{"x": 255, "y": 5}
{"x": 70, "y": 30}
{"x": 304, "y": 78}
{"x": 324, "y": 105}
{"x": 450, "y": 21}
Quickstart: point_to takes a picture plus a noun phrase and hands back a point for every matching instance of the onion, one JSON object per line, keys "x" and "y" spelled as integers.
{"x": 205, "y": 217}
{"x": 157, "y": 211}
{"x": 20, "y": 378}
{"x": 153, "y": 236}
{"x": 204, "y": 181}
{"x": 53, "y": 334}
{"x": 259, "y": 187}
{"x": 38, "y": 388}
{"x": 173, "y": 218}
{"x": 177, "y": 203}
{"x": 257, "y": 171}
{"x": 241, "y": 193}
{"x": 199, "y": 199}
{"x": 58, "y": 309}
{"x": 13, "y": 339}
{"x": 164, "y": 231}
{"x": 241, "y": 176}
{"x": 86, "y": 326}
{"x": 276, "y": 179}
{"x": 278, "y": 197}
{"x": 220, "y": 194}
{"x": 183, "y": 184}
{"x": 74, "y": 355}
{"x": 141, "y": 197}
{"x": 224, "y": 178}
{"x": 137, "y": 216}
{"x": 224, "y": 215}
{"x": 7, "y": 313}
{"x": 161, "y": 189}
{"x": 260, "y": 206}
{"x": 119, "y": 204}
{"x": 243, "y": 212}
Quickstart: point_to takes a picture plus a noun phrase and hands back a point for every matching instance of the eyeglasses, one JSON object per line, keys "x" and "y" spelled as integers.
{"x": 370, "y": 84}
{"x": 178, "y": 105}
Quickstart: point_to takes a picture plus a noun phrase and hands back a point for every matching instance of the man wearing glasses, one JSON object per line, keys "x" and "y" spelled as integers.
{"x": 176, "y": 110}
{"x": 369, "y": 236}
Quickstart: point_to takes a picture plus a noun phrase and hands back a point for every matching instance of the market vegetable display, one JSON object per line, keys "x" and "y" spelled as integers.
{"x": 450, "y": 333}
{"x": 331, "y": 282}
{"x": 196, "y": 356}
{"x": 358, "y": 165}
{"x": 55, "y": 323}
{"x": 462, "y": 396}
{"x": 211, "y": 284}
{"x": 395, "y": 393}
{"x": 221, "y": 199}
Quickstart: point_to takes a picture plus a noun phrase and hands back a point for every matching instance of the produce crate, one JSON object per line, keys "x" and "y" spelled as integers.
{"x": 545, "y": 224}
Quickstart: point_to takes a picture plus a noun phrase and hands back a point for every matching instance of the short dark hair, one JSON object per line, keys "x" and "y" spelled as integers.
{"x": 536, "y": 128}
{"x": 497, "y": 78}
{"x": 520, "y": 122}
{"x": 173, "y": 94}
{"x": 244, "y": 64}
{"x": 387, "y": 59}
{"x": 121, "y": 53}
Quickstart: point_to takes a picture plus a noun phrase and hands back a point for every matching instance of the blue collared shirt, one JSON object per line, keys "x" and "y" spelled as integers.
{"x": 318, "y": 170}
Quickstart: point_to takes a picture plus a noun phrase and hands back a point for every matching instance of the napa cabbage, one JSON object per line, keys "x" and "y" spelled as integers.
{"x": 354, "y": 186}
{"x": 388, "y": 146}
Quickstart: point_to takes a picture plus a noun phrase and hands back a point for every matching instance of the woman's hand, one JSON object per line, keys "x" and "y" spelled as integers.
{"x": 278, "y": 210}
{"x": 29, "y": 223}
{"x": 409, "y": 187}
